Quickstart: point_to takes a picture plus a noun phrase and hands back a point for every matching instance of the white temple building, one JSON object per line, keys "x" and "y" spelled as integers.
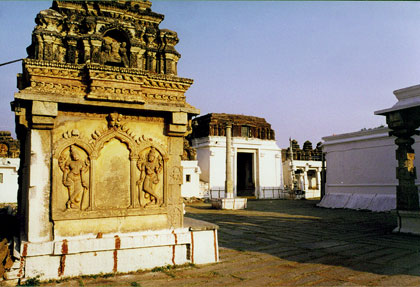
{"x": 9, "y": 166}
{"x": 302, "y": 170}
{"x": 256, "y": 157}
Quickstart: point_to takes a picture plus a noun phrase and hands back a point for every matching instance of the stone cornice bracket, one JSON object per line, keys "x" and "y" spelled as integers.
{"x": 20, "y": 113}
{"x": 43, "y": 114}
{"x": 178, "y": 127}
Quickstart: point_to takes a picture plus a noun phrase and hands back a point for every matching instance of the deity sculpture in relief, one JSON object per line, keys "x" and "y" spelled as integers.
{"x": 75, "y": 177}
{"x": 150, "y": 168}
{"x": 3, "y": 150}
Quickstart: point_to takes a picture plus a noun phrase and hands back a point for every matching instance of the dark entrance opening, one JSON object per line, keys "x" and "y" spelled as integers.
{"x": 245, "y": 174}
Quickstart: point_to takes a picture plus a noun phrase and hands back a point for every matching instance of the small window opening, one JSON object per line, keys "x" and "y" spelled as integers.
{"x": 188, "y": 178}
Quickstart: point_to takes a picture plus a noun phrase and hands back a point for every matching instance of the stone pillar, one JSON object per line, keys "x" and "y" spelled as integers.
{"x": 403, "y": 119}
{"x": 305, "y": 186}
{"x": 228, "y": 182}
{"x": 96, "y": 51}
{"x": 407, "y": 192}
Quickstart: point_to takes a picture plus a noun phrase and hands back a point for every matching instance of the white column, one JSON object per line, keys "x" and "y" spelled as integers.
{"x": 228, "y": 182}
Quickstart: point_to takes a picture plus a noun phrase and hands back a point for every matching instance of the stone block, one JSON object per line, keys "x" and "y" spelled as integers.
{"x": 38, "y": 248}
{"x": 408, "y": 222}
{"x": 46, "y": 267}
{"x": 89, "y": 263}
{"x": 383, "y": 202}
{"x": 179, "y": 118}
{"x": 229, "y": 203}
{"x": 359, "y": 201}
{"x": 11, "y": 283}
{"x": 177, "y": 128}
{"x": 335, "y": 200}
{"x": 144, "y": 258}
{"x": 40, "y": 108}
{"x": 12, "y": 274}
{"x": 205, "y": 247}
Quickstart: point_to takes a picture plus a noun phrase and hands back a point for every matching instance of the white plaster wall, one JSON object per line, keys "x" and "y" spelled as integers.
{"x": 217, "y": 167}
{"x": 191, "y": 188}
{"x": 211, "y": 156}
{"x": 361, "y": 171}
{"x": 204, "y": 163}
{"x": 9, "y": 187}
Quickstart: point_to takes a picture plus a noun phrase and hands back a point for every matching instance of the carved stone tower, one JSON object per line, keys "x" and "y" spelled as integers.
{"x": 101, "y": 116}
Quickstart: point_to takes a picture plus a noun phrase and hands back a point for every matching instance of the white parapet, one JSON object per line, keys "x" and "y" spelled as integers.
{"x": 195, "y": 243}
{"x": 229, "y": 203}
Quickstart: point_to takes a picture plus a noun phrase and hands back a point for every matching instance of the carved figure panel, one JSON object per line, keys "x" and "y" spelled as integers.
{"x": 112, "y": 173}
{"x": 150, "y": 183}
{"x": 74, "y": 164}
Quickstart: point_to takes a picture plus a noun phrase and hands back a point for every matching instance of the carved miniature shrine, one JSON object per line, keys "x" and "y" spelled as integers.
{"x": 9, "y": 147}
{"x": 101, "y": 116}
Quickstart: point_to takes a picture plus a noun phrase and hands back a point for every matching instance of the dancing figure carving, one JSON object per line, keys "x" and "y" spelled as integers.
{"x": 75, "y": 177}
{"x": 150, "y": 169}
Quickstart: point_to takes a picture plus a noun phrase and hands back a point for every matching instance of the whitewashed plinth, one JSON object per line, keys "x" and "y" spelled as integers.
{"x": 195, "y": 243}
{"x": 408, "y": 222}
{"x": 229, "y": 203}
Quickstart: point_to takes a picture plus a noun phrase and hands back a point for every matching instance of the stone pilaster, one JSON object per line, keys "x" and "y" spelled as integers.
{"x": 228, "y": 182}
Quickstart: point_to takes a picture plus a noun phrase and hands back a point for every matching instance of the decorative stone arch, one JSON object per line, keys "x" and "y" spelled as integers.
{"x": 129, "y": 142}
{"x": 65, "y": 143}
{"x": 116, "y": 45}
{"x": 119, "y": 135}
{"x": 116, "y": 26}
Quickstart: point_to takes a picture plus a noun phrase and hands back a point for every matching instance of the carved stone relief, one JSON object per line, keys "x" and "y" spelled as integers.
{"x": 150, "y": 185}
{"x": 113, "y": 172}
{"x": 74, "y": 163}
{"x": 67, "y": 33}
{"x": 4, "y": 150}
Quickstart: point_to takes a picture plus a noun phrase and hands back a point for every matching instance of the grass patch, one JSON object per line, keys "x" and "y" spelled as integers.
{"x": 169, "y": 268}
{"x": 237, "y": 277}
{"x": 31, "y": 282}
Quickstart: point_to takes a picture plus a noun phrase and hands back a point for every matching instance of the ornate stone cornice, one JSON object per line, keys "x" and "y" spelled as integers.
{"x": 103, "y": 83}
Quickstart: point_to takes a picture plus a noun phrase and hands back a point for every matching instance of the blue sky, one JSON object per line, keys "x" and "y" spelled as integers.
{"x": 312, "y": 69}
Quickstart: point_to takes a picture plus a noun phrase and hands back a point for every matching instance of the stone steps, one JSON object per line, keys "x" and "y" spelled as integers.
{"x": 8, "y": 269}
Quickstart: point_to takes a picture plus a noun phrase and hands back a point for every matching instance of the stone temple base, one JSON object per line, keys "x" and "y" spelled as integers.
{"x": 195, "y": 243}
{"x": 229, "y": 203}
{"x": 408, "y": 222}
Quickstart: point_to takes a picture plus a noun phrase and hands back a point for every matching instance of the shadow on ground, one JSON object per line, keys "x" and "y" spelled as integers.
{"x": 301, "y": 232}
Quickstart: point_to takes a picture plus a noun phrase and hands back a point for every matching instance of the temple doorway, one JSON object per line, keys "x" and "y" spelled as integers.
{"x": 245, "y": 182}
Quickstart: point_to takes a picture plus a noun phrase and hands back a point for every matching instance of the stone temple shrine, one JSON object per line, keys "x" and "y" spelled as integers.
{"x": 101, "y": 116}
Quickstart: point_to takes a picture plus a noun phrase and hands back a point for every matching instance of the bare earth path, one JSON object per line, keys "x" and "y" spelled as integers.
{"x": 291, "y": 243}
